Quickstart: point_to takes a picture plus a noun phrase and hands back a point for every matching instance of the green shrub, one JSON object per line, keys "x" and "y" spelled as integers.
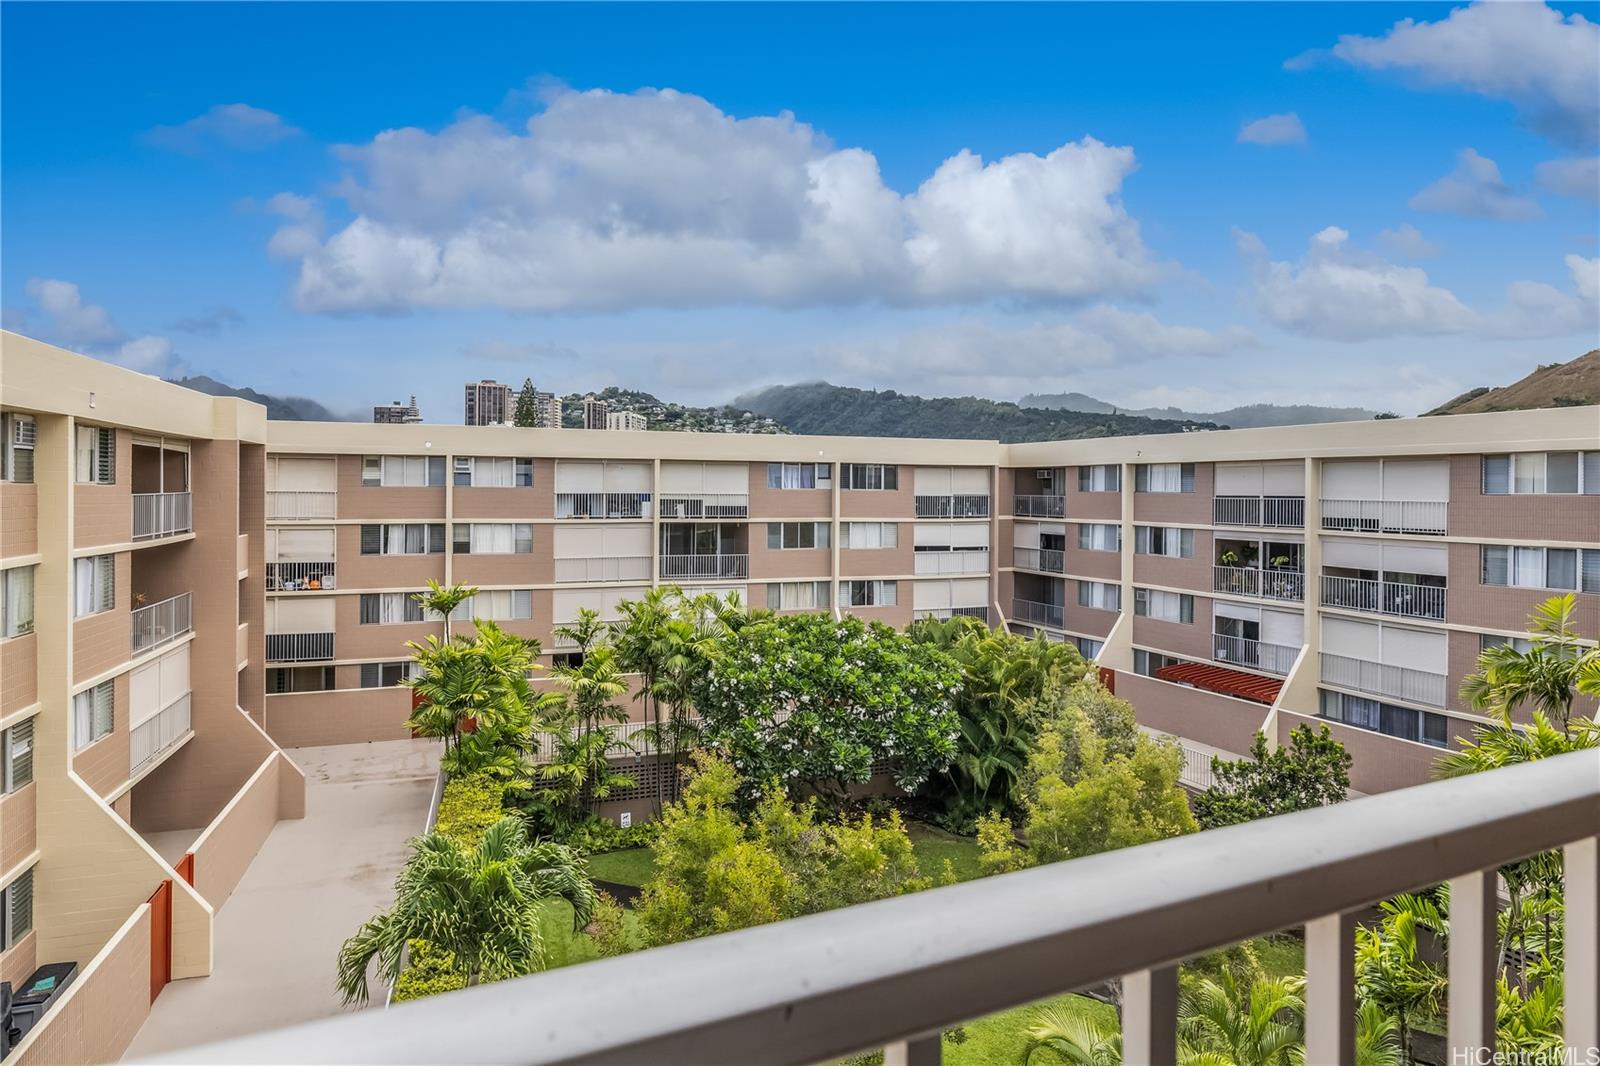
{"x": 470, "y": 805}
{"x": 596, "y": 835}
{"x": 427, "y": 973}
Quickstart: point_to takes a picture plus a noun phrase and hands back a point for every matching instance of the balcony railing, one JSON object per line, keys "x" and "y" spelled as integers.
{"x": 1400, "y": 598}
{"x": 161, "y": 623}
{"x": 617, "y": 568}
{"x": 287, "y": 506}
{"x": 896, "y": 973}
{"x": 707, "y": 505}
{"x": 1253, "y": 654}
{"x": 148, "y": 739}
{"x": 1261, "y": 512}
{"x": 1382, "y": 679}
{"x": 1039, "y": 506}
{"x": 299, "y": 647}
{"x": 1267, "y": 584}
{"x": 162, "y": 514}
{"x": 1046, "y": 559}
{"x": 952, "y": 506}
{"x": 1385, "y": 516}
{"x": 981, "y": 613}
{"x": 952, "y": 562}
{"x": 299, "y": 577}
{"x": 1036, "y": 613}
{"x": 677, "y": 567}
{"x": 602, "y": 505}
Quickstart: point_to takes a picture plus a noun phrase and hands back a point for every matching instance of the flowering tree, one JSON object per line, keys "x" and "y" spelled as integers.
{"x": 813, "y": 702}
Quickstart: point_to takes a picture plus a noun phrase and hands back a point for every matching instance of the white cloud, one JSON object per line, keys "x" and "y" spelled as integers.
{"x": 1539, "y": 310}
{"x": 1578, "y": 177}
{"x": 303, "y": 227}
{"x": 1407, "y": 242}
{"x": 1527, "y": 53}
{"x": 89, "y": 328}
{"x": 657, "y": 198}
{"x": 1475, "y": 189}
{"x": 236, "y": 126}
{"x": 1273, "y": 129}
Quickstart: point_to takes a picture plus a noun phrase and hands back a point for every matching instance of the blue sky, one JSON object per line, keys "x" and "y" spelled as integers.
{"x": 358, "y": 202}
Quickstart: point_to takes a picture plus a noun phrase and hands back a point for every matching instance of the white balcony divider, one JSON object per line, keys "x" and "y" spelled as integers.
{"x": 286, "y": 506}
{"x": 1382, "y": 679}
{"x": 602, "y": 505}
{"x": 150, "y": 738}
{"x": 1046, "y": 559}
{"x": 706, "y": 505}
{"x": 299, "y": 647}
{"x": 890, "y": 973}
{"x": 297, "y": 577}
{"x": 1033, "y": 506}
{"x": 1254, "y": 654}
{"x": 1251, "y": 581}
{"x": 1385, "y": 516}
{"x": 160, "y": 623}
{"x": 162, "y": 514}
{"x": 1403, "y": 599}
{"x": 952, "y": 506}
{"x": 1044, "y": 614}
{"x": 676, "y": 567}
{"x": 952, "y": 562}
{"x": 618, "y": 568}
{"x": 1261, "y": 512}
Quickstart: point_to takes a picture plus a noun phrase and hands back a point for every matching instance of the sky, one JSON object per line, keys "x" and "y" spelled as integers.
{"x": 1193, "y": 204}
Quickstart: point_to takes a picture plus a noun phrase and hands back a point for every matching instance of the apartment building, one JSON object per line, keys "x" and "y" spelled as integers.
{"x": 397, "y": 412}
{"x": 546, "y": 410}
{"x": 135, "y": 781}
{"x": 489, "y": 403}
{"x": 595, "y": 413}
{"x": 629, "y": 421}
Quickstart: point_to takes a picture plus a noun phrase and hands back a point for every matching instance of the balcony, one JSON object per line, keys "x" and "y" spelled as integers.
{"x": 300, "y": 576}
{"x": 1039, "y": 614}
{"x": 944, "y": 613}
{"x": 1046, "y": 559}
{"x": 1403, "y": 599}
{"x": 241, "y": 553}
{"x": 1261, "y": 512}
{"x": 162, "y": 623}
{"x": 952, "y": 506}
{"x": 1263, "y": 584}
{"x": 162, "y": 514}
{"x": 1381, "y": 679}
{"x": 951, "y": 562}
{"x": 154, "y": 736}
{"x": 299, "y": 647}
{"x": 619, "y": 568}
{"x": 1039, "y": 506}
{"x": 704, "y": 567}
{"x": 1253, "y": 654}
{"x": 1385, "y": 516}
{"x": 602, "y": 505}
{"x": 301, "y": 506}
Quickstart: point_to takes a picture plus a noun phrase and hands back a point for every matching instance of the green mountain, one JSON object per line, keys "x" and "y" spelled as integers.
{"x": 1571, "y": 384}
{"x": 1252, "y": 416}
{"x": 668, "y": 416}
{"x": 279, "y": 408}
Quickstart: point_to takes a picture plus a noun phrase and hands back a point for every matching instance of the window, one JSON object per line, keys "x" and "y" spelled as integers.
{"x": 1149, "y": 662}
{"x": 16, "y": 756}
{"x": 486, "y": 472}
{"x": 869, "y": 476}
{"x": 1166, "y": 606}
{"x": 1101, "y": 594}
{"x": 1406, "y": 723}
{"x": 797, "y": 535}
{"x": 17, "y": 436}
{"x": 1163, "y": 477}
{"x": 1494, "y": 640}
{"x": 1104, "y": 478}
{"x": 93, "y": 585}
{"x": 1541, "y": 568}
{"x": 1087, "y": 648}
{"x": 97, "y": 455}
{"x": 797, "y": 595}
{"x": 16, "y": 601}
{"x": 799, "y": 475}
{"x": 1163, "y": 540}
{"x": 387, "y": 675}
{"x": 397, "y": 471}
{"x": 391, "y": 608}
{"x": 403, "y": 538}
{"x": 16, "y": 910}
{"x": 1545, "y": 473}
{"x": 93, "y": 715}
{"x": 869, "y": 593}
{"x": 492, "y": 538}
{"x": 281, "y": 679}
{"x": 498, "y": 605}
{"x": 1099, "y": 537}
{"x": 870, "y": 535}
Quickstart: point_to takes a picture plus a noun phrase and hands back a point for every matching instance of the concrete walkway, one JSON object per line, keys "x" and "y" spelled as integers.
{"x": 312, "y": 885}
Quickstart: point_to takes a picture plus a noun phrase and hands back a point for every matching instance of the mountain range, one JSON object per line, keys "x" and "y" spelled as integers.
{"x": 1571, "y": 384}
{"x": 1251, "y": 416}
{"x": 279, "y": 408}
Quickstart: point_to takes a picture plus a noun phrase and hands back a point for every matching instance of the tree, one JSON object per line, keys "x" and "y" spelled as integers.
{"x": 483, "y": 681}
{"x": 443, "y": 601}
{"x": 645, "y": 639}
{"x": 579, "y": 774}
{"x": 1390, "y": 970}
{"x": 1547, "y": 676}
{"x": 1313, "y": 771}
{"x": 479, "y": 906}
{"x": 1260, "y": 1024}
{"x": 1077, "y": 1038}
{"x": 527, "y": 405}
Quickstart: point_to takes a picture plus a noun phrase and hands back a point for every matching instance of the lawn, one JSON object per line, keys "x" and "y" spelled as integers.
{"x": 631, "y": 866}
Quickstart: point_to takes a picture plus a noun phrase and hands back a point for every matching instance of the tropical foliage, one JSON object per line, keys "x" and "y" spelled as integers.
{"x": 1313, "y": 771}
{"x": 1547, "y": 677}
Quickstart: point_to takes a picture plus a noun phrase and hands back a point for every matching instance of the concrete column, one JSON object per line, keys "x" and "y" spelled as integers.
{"x": 918, "y": 1051}
{"x": 1331, "y": 989}
{"x": 1150, "y": 1017}
{"x": 1581, "y": 861}
{"x": 1474, "y": 943}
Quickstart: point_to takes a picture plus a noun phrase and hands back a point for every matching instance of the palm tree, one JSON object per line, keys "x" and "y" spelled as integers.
{"x": 443, "y": 600}
{"x": 484, "y": 681}
{"x": 580, "y": 766}
{"x": 1547, "y": 676}
{"x": 645, "y": 646}
{"x": 1261, "y": 1024}
{"x": 1391, "y": 973}
{"x": 479, "y": 905}
{"x": 1077, "y": 1038}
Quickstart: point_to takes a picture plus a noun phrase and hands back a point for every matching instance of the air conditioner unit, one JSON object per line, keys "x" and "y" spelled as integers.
{"x": 24, "y": 432}
{"x": 1044, "y": 474}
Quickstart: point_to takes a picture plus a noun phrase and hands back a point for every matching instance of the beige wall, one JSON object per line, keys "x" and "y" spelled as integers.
{"x": 18, "y": 826}
{"x": 103, "y": 765}
{"x": 1188, "y": 508}
{"x": 520, "y": 503}
{"x": 768, "y": 502}
{"x": 303, "y": 719}
{"x": 103, "y": 514}
{"x": 19, "y": 673}
{"x": 1092, "y": 506}
{"x": 898, "y": 616}
{"x": 1472, "y": 514}
{"x": 356, "y": 641}
{"x": 1220, "y": 721}
{"x": 1090, "y": 620}
{"x": 1189, "y": 640}
{"x": 1103, "y": 566}
{"x": 385, "y": 504}
{"x": 877, "y": 503}
{"x": 783, "y": 564}
{"x": 225, "y": 849}
{"x": 18, "y": 964}
{"x": 1194, "y": 573}
{"x": 252, "y": 587}
{"x": 357, "y": 571}
{"x": 19, "y": 520}
{"x": 99, "y": 1014}
{"x": 870, "y": 562}
{"x": 1505, "y": 609}
{"x": 1381, "y": 763}
{"x": 535, "y": 568}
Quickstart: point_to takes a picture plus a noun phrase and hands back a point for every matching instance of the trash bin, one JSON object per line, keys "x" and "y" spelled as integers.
{"x": 33, "y": 998}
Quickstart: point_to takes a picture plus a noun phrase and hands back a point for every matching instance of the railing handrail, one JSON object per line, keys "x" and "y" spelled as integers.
{"x": 145, "y": 628}
{"x": 828, "y": 985}
{"x": 309, "y": 504}
{"x": 1038, "y": 505}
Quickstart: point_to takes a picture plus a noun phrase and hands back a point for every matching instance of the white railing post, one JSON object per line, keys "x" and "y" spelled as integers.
{"x": 918, "y": 1051}
{"x": 1581, "y": 943}
{"x": 1474, "y": 945}
{"x": 1150, "y": 1017}
{"x": 1331, "y": 989}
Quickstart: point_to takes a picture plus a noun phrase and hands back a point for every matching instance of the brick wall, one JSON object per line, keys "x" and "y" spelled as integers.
{"x": 1555, "y": 517}
{"x": 1189, "y": 508}
{"x": 19, "y": 673}
{"x": 19, "y": 519}
{"x": 18, "y": 826}
{"x": 225, "y": 849}
{"x": 105, "y": 640}
{"x": 99, "y": 1014}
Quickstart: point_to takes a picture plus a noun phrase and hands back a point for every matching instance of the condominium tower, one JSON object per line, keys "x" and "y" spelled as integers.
{"x": 489, "y": 403}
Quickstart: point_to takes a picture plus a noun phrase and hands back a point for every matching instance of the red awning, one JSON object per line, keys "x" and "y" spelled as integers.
{"x": 1221, "y": 679}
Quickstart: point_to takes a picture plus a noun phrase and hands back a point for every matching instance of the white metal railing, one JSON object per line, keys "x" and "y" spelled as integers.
{"x": 1403, "y": 599}
{"x": 296, "y": 577}
{"x": 299, "y": 647}
{"x": 1385, "y": 516}
{"x": 674, "y": 567}
{"x": 606, "y": 568}
{"x": 1262, "y": 512}
{"x": 1196, "y": 771}
{"x": 1046, "y": 559}
{"x": 1033, "y": 506}
{"x": 952, "y": 506}
{"x": 290, "y": 506}
{"x": 158, "y": 623}
{"x": 706, "y": 505}
{"x": 1254, "y": 654}
{"x": 602, "y": 505}
{"x": 943, "y": 613}
{"x": 162, "y": 514}
{"x": 155, "y": 735}
{"x": 960, "y": 561}
{"x": 1251, "y": 581}
{"x": 1044, "y": 614}
{"x": 895, "y": 973}
{"x": 1382, "y": 679}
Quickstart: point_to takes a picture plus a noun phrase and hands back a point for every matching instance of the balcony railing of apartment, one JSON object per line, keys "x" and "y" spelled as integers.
{"x": 1046, "y": 559}
{"x": 299, "y": 577}
{"x": 1382, "y": 679}
{"x": 896, "y": 973}
{"x": 952, "y": 562}
{"x": 1261, "y": 512}
{"x": 609, "y": 568}
{"x": 162, "y": 514}
{"x": 1385, "y": 516}
{"x": 674, "y": 567}
{"x": 1401, "y": 598}
{"x": 1251, "y": 581}
{"x": 1043, "y": 614}
{"x": 602, "y": 505}
{"x": 286, "y": 506}
{"x": 1253, "y": 654}
{"x": 952, "y": 506}
{"x": 151, "y": 737}
{"x": 707, "y": 505}
{"x": 159, "y": 623}
{"x": 299, "y": 647}
{"x": 1039, "y": 506}
{"x": 981, "y": 613}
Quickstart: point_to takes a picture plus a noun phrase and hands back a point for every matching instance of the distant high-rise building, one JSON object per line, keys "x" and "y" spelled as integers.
{"x": 489, "y": 403}
{"x": 397, "y": 412}
{"x": 546, "y": 410}
{"x": 594, "y": 412}
{"x": 628, "y": 420}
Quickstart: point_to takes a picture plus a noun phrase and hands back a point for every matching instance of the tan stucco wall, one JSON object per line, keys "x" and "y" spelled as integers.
{"x": 1220, "y": 721}
{"x": 18, "y": 830}
{"x": 19, "y": 673}
{"x": 223, "y": 852}
{"x": 99, "y": 1014}
{"x": 19, "y": 518}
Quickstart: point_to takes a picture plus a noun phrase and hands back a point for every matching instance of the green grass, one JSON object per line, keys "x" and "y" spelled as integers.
{"x": 631, "y": 866}
{"x": 1281, "y": 956}
{"x": 933, "y": 846}
{"x": 1000, "y": 1039}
